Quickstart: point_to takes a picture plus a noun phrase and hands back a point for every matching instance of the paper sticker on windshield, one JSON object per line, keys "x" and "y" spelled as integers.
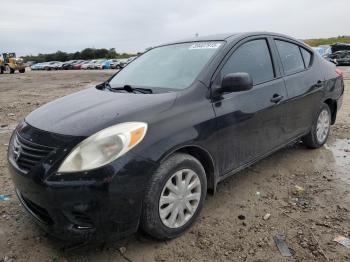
{"x": 205, "y": 45}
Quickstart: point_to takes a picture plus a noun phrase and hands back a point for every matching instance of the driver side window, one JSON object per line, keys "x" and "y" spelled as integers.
{"x": 253, "y": 58}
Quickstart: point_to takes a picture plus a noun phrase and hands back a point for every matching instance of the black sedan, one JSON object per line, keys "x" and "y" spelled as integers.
{"x": 143, "y": 148}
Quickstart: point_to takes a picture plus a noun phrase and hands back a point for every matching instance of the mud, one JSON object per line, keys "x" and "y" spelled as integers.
{"x": 307, "y": 193}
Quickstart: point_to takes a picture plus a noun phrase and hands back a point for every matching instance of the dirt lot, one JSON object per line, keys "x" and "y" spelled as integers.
{"x": 309, "y": 218}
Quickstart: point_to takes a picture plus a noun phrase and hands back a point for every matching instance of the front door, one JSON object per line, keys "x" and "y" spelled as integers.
{"x": 250, "y": 123}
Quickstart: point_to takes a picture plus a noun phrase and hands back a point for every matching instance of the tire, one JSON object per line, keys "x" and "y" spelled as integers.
{"x": 118, "y": 67}
{"x": 12, "y": 71}
{"x": 7, "y": 69}
{"x": 151, "y": 221}
{"x": 1, "y": 69}
{"x": 313, "y": 139}
{"x": 22, "y": 70}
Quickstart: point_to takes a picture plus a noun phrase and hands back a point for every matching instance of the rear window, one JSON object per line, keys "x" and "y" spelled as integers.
{"x": 307, "y": 57}
{"x": 291, "y": 58}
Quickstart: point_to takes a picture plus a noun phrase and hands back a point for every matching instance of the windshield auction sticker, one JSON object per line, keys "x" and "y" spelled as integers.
{"x": 205, "y": 45}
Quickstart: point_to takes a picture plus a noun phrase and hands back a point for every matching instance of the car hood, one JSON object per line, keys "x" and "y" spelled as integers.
{"x": 91, "y": 110}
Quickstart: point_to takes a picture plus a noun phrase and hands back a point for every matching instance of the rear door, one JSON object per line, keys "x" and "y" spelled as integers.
{"x": 250, "y": 123}
{"x": 304, "y": 85}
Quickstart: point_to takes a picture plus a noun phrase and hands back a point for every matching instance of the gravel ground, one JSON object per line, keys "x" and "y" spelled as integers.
{"x": 306, "y": 192}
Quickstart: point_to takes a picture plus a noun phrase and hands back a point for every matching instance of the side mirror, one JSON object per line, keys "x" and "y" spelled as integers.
{"x": 235, "y": 82}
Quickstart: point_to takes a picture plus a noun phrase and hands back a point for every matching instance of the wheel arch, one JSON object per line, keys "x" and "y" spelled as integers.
{"x": 204, "y": 157}
{"x": 333, "y": 107}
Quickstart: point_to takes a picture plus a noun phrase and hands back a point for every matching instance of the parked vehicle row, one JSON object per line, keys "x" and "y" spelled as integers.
{"x": 83, "y": 64}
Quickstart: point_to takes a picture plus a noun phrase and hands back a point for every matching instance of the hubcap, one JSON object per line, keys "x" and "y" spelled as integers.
{"x": 322, "y": 127}
{"x": 180, "y": 198}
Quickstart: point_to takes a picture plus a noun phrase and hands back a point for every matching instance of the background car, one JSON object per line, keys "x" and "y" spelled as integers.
{"x": 336, "y": 53}
{"x": 57, "y": 66}
{"x": 30, "y": 63}
{"x": 50, "y": 65}
{"x": 341, "y": 57}
{"x": 115, "y": 64}
{"x": 100, "y": 64}
{"x": 77, "y": 66}
{"x": 108, "y": 63}
{"x": 38, "y": 66}
{"x": 69, "y": 64}
{"x": 123, "y": 62}
{"x": 89, "y": 65}
{"x": 340, "y": 47}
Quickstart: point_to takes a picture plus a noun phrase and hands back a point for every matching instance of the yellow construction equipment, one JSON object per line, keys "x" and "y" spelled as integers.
{"x": 9, "y": 64}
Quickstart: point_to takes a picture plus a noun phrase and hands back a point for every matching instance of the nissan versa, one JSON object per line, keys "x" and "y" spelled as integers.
{"x": 142, "y": 149}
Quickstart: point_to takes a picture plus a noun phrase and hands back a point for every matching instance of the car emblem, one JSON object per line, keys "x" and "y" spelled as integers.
{"x": 17, "y": 150}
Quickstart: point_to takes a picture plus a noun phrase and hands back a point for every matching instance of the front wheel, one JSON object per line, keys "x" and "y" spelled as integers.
{"x": 320, "y": 129}
{"x": 174, "y": 197}
{"x": 8, "y": 69}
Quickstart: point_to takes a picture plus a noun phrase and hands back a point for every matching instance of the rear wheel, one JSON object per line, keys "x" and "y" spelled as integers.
{"x": 320, "y": 129}
{"x": 22, "y": 70}
{"x": 174, "y": 197}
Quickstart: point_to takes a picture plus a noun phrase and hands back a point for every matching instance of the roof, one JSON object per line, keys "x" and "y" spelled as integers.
{"x": 227, "y": 37}
{"x": 218, "y": 37}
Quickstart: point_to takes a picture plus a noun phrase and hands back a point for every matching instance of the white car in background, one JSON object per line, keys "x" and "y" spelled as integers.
{"x": 50, "y": 65}
{"x": 88, "y": 65}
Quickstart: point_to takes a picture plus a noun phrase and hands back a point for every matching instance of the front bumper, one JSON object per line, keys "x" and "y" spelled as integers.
{"x": 95, "y": 205}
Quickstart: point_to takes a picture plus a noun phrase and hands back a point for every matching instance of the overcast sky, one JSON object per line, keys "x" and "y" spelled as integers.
{"x": 33, "y": 26}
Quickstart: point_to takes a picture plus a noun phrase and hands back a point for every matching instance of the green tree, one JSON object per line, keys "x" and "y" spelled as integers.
{"x": 85, "y": 54}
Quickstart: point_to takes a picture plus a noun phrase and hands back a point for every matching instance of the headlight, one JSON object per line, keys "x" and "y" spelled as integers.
{"x": 104, "y": 147}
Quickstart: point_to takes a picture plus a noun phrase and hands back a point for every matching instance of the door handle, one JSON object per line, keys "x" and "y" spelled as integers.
{"x": 276, "y": 98}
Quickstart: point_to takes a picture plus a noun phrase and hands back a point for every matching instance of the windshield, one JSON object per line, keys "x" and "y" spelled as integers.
{"x": 173, "y": 66}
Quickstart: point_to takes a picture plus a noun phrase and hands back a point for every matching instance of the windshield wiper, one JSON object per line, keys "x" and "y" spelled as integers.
{"x": 130, "y": 89}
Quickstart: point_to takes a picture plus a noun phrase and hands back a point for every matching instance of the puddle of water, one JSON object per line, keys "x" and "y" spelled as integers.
{"x": 340, "y": 149}
{"x": 7, "y": 128}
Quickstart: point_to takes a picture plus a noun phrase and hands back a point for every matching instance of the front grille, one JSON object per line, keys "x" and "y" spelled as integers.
{"x": 27, "y": 154}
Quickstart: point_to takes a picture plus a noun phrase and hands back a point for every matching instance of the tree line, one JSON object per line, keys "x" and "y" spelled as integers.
{"x": 328, "y": 41}
{"x": 85, "y": 54}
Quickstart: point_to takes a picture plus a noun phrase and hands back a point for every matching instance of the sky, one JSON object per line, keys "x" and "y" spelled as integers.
{"x": 45, "y": 26}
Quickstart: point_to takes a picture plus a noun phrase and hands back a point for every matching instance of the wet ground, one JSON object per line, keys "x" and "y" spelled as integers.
{"x": 306, "y": 192}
